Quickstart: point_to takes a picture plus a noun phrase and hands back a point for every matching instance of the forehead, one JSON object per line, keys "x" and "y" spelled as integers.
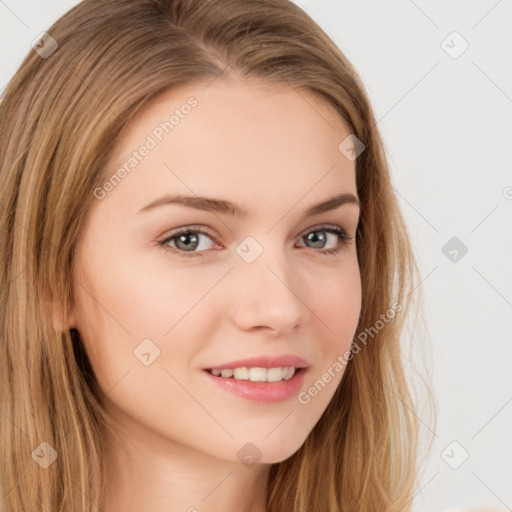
{"x": 265, "y": 140}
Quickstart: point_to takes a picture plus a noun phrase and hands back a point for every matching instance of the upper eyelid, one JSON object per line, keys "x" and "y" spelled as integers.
{"x": 210, "y": 232}
{"x": 201, "y": 229}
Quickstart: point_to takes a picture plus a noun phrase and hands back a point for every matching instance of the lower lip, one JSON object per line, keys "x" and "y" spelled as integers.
{"x": 266, "y": 392}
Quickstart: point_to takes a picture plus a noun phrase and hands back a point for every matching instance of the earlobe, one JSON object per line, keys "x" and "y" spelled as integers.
{"x": 62, "y": 324}
{"x": 56, "y": 315}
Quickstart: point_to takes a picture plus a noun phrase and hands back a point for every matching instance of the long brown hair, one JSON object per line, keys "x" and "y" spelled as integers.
{"x": 59, "y": 117}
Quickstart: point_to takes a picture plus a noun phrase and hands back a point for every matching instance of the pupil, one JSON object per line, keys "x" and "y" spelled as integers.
{"x": 313, "y": 237}
{"x": 186, "y": 239}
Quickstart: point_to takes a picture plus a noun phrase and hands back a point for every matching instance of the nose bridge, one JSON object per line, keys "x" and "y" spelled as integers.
{"x": 268, "y": 286}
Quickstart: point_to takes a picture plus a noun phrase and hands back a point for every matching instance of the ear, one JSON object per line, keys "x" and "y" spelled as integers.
{"x": 55, "y": 314}
{"x": 62, "y": 323}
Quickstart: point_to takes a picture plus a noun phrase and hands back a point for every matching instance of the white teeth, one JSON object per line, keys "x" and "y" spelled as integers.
{"x": 274, "y": 374}
{"x": 241, "y": 373}
{"x": 257, "y": 374}
{"x": 290, "y": 372}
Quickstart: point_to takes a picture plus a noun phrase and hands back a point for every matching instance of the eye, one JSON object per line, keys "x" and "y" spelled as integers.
{"x": 187, "y": 241}
{"x": 320, "y": 241}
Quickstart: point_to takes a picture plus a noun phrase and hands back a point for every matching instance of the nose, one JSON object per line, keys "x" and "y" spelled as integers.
{"x": 269, "y": 295}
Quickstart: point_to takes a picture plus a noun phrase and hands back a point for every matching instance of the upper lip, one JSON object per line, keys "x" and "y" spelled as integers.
{"x": 263, "y": 362}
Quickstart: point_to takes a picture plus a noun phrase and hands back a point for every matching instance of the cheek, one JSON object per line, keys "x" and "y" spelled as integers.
{"x": 338, "y": 306}
{"x": 173, "y": 307}
{"x": 124, "y": 305}
{"x": 148, "y": 300}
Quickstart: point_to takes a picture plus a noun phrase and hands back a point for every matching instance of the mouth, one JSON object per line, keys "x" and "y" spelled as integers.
{"x": 257, "y": 383}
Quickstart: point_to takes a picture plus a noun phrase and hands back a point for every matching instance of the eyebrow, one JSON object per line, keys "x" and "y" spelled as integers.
{"x": 224, "y": 206}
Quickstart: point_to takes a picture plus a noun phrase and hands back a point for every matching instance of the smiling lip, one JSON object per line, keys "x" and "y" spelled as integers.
{"x": 263, "y": 362}
{"x": 265, "y": 392}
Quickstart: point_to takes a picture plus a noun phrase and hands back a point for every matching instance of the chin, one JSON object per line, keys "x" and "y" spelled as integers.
{"x": 272, "y": 454}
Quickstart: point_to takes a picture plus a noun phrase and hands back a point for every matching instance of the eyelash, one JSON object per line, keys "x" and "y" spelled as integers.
{"x": 344, "y": 238}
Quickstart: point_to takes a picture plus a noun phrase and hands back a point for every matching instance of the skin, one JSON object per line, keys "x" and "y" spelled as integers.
{"x": 274, "y": 151}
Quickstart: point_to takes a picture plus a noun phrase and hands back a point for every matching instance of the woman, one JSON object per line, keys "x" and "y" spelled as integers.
{"x": 208, "y": 272}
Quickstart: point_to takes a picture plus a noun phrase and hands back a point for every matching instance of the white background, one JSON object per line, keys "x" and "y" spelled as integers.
{"x": 447, "y": 124}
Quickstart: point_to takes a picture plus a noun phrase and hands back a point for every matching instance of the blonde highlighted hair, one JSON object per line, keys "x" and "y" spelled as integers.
{"x": 59, "y": 119}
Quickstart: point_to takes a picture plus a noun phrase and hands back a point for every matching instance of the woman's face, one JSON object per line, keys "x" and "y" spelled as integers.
{"x": 157, "y": 310}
